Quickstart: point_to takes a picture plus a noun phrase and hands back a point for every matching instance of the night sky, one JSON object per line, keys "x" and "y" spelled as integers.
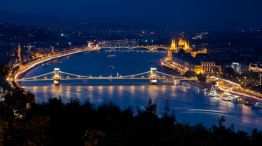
{"x": 228, "y": 12}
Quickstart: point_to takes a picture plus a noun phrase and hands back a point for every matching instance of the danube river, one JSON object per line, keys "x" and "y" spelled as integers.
{"x": 187, "y": 103}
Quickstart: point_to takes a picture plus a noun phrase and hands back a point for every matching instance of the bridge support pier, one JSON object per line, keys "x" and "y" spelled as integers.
{"x": 57, "y": 77}
{"x": 153, "y": 76}
{"x": 57, "y": 82}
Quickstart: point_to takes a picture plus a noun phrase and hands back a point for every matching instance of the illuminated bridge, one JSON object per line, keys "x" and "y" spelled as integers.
{"x": 135, "y": 51}
{"x": 149, "y": 47}
{"x": 153, "y": 76}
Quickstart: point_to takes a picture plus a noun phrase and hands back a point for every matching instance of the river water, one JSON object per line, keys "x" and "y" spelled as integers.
{"x": 187, "y": 103}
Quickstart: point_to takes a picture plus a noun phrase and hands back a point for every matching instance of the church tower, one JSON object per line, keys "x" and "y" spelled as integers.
{"x": 19, "y": 55}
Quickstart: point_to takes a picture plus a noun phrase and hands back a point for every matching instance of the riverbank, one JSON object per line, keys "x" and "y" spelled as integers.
{"x": 235, "y": 88}
{"x": 27, "y": 67}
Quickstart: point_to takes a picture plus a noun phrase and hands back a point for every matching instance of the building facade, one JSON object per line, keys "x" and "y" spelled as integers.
{"x": 185, "y": 46}
{"x": 236, "y": 67}
{"x": 255, "y": 68}
{"x": 208, "y": 68}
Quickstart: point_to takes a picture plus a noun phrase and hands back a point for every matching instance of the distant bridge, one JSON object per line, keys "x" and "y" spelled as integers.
{"x": 153, "y": 76}
{"x": 149, "y": 47}
{"x": 135, "y": 51}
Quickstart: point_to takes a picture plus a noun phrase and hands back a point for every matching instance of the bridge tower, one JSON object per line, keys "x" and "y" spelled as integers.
{"x": 56, "y": 76}
{"x": 153, "y": 76}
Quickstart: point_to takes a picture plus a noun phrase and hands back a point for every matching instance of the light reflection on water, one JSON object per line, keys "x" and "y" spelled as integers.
{"x": 188, "y": 103}
{"x": 184, "y": 102}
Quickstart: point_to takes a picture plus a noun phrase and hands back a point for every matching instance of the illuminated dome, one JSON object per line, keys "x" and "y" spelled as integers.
{"x": 183, "y": 44}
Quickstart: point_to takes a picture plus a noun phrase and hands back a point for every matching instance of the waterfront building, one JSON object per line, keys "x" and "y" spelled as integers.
{"x": 204, "y": 67}
{"x": 255, "y": 68}
{"x": 258, "y": 69}
{"x": 199, "y": 69}
{"x": 210, "y": 68}
{"x": 37, "y": 55}
{"x": 184, "y": 65}
{"x": 184, "y": 45}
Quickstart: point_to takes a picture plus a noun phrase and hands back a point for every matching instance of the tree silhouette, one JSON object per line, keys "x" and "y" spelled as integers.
{"x": 57, "y": 123}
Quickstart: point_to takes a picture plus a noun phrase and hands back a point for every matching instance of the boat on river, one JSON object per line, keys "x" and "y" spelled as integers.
{"x": 226, "y": 96}
{"x": 237, "y": 99}
{"x": 56, "y": 61}
{"x": 213, "y": 93}
{"x": 258, "y": 105}
{"x": 249, "y": 103}
{"x": 111, "y": 55}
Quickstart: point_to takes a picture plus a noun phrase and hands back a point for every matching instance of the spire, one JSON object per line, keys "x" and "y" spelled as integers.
{"x": 19, "y": 53}
{"x": 173, "y": 43}
{"x": 29, "y": 48}
{"x": 173, "y": 46}
{"x": 187, "y": 47}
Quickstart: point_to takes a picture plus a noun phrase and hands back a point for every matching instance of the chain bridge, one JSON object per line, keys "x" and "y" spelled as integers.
{"x": 152, "y": 75}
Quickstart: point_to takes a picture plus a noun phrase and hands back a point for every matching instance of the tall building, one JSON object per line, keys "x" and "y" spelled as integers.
{"x": 236, "y": 67}
{"x": 29, "y": 47}
{"x": 53, "y": 49}
{"x": 19, "y": 55}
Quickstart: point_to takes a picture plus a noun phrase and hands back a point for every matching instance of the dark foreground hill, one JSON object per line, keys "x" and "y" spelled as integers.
{"x": 55, "y": 123}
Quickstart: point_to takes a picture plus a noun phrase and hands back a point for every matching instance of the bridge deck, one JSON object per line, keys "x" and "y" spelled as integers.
{"x": 98, "y": 78}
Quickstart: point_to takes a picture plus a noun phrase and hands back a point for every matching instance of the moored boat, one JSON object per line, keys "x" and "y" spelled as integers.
{"x": 226, "y": 97}
{"x": 112, "y": 55}
{"x": 237, "y": 99}
{"x": 258, "y": 105}
{"x": 213, "y": 93}
{"x": 249, "y": 103}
